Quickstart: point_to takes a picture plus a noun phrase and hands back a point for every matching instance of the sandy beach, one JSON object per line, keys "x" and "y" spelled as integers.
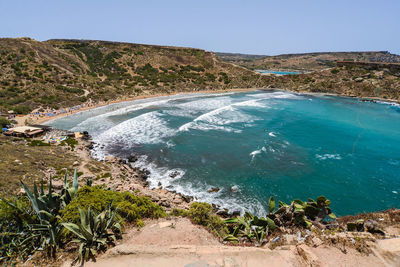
{"x": 34, "y": 119}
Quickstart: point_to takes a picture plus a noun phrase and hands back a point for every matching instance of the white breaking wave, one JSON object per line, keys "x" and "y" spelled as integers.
{"x": 148, "y": 128}
{"x": 388, "y": 103}
{"x": 328, "y": 156}
{"x": 272, "y": 134}
{"x": 276, "y": 95}
{"x": 102, "y": 122}
{"x": 163, "y": 176}
{"x": 223, "y": 116}
{"x": 256, "y": 152}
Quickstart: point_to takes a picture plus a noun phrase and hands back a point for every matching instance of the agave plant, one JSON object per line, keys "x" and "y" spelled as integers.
{"x": 250, "y": 227}
{"x": 301, "y": 213}
{"x": 94, "y": 232}
{"x": 68, "y": 193}
{"x": 16, "y": 238}
{"x": 298, "y": 213}
{"x": 47, "y": 207}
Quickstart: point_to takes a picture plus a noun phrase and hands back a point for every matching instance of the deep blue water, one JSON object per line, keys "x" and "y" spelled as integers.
{"x": 266, "y": 143}
{"x": 277, "y": 72}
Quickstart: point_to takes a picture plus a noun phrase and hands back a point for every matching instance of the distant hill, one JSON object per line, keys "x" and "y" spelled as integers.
{"x": 59, "y": 73}
{"x": 306, "y": 61}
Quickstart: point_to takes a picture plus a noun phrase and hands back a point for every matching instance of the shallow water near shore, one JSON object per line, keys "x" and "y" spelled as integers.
{"x": 264, "y": 142}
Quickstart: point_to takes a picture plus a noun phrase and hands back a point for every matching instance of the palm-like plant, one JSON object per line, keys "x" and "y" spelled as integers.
{"x": 94, "y": 232}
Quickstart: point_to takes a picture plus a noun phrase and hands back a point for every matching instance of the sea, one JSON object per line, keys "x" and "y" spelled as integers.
{"x": 253, "y": 145}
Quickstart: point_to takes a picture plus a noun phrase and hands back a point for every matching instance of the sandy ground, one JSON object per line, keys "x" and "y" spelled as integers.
{"x": 177, "y": 242}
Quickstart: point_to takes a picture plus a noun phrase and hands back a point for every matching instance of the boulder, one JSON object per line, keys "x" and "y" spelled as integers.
{"x": 132, "y": 158}
{"x": 111, "y": 159}
{"x": 174, "y": 174}
{"x": 213, "y": 190}
{"x": 234, "y": 189}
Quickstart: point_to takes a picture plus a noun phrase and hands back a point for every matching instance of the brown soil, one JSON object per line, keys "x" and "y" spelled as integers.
{"x": 177, "y": 242}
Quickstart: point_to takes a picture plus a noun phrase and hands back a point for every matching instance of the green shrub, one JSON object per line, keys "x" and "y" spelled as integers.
{"x": 335, "y": 71}
{"x": 71, "y": 142}
{"x": 130, "y": 207}
{"x": 179, "y": 212}
{"x": 22, "y": 109}
{"x": 38, "y": 143}
{"x": 201, "y": 213}
{"x": 4, "y": 122}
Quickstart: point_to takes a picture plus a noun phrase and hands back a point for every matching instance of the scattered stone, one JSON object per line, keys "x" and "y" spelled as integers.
{"x": 359, "y": 79}
{"x": 187, "y": 199}
{"x": 57, "y": 184}
{"x": 76, "y": 163}
{"x": 317, "y": 242}
{"x": 174, "y": 174}
{"x": 111, "y": 159}
{"x": 213, "y": 190}
{"x": 234, "y": 189}
{"x": 132, "y": 158}
{"x": 165, "y": 224}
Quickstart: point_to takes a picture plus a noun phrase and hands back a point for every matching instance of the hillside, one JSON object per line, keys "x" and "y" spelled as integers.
{"x": 306, "y": 61}
{"x": 59, "y": 73}
{"x": 348, "y": 81}
{"x": 64, "y": 73}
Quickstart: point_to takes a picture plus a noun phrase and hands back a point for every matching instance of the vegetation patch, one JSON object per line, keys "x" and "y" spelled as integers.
{"x": 130, "y": 207}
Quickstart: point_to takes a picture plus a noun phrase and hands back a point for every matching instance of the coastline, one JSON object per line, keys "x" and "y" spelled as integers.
{"x": 42, "y": 120}
{"x": 148, "y": 168}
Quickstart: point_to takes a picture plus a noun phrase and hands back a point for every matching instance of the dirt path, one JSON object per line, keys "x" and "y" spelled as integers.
{"x": 177, "y": 242}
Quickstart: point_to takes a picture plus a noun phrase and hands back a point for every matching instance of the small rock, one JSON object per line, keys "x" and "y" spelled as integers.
{"x": 76, "y": 163}
{"x": 213, "y": 190}
{"x": 359, "y": 79}
{"x": 132, "y": 158}
{"x": 371, "y": 226}
{"x": 174, "y": 174}
{"x": 187, "y": 199}
{"x": 317, "y": 242}
{"x": 110, "y": 159}
{"x": 165, "y": 224}
{"x": 234, "y": 189}
{"x": 57, "y": 184}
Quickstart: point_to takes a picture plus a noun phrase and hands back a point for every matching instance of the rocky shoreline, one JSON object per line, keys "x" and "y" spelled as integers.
{"x": 124, "y": 177}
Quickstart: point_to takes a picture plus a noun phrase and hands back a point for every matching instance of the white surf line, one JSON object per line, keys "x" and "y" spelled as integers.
{"x": 134, "y": 106}
{"x": 205, "y": 116}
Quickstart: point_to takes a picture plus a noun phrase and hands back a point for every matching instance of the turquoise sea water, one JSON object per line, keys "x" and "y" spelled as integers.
{"x": 265, "y": 143}
{"x": 277, "y": 72}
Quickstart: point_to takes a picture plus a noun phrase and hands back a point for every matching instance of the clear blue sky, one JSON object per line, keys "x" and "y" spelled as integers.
{"x": 245, "y": 26}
